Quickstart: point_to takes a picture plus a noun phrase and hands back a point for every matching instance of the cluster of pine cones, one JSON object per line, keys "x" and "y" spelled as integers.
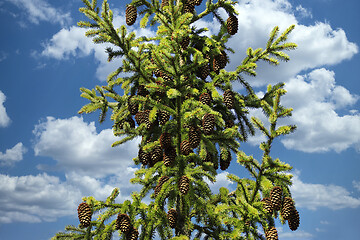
{"x": 188, "y": 7}
{"x": 287, "y": 209}
{"x": 123, "y": 223}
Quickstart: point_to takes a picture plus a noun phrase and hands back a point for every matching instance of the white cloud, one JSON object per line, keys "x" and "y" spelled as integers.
{"x": 303, "y": 12}
{"x": 320, "y": 127}
{"x": 318, "y": 44}
{"x": 12, "y": 155}
{"x": 4, "y": 118}
{"x": 45, "y": 198}
{"x": 41, "y": 10}
{"x": 313, "y": 196}
{"x": 35, "y": 198}
{"x": 72, "y": 42}
{"x": 221, "y": 181}
{"x": 76, "y": 146}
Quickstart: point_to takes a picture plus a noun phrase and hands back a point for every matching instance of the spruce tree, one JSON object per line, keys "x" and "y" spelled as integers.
{"x": 181, "y": 101}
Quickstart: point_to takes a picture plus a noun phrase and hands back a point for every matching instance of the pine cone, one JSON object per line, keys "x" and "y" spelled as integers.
{"x": 133, "y": 107}
{"x": 205, "y": 98}
{"x": 163, "y": 117}
{"x": 185, "y": 42}
{"x": 294, "y": 220}
{"x": 268, "y": 205}
{"x": 84, "y": 214}
{"x": 164, "y": 3}
{"x": 203, "y": 71}
{"x": 172, "y": 216}
{"x": 229, "y": 99}
{"x": 162, "y": 180}
{"x": 130, "y": 14}
{"x": 123, "y": 223}
{"x": 169, "y": 156}
{"x": 287, "y": 208}
{"x": 219, "y": 62}
{"x": 276, "y": 197}
{"x": 194, "y": 136}
{"x": 133, "y": 234}
{"x": 165, "y": 140}
{"x": 232, "y": 24}
{"x": 144, "y": 157}
{"x": 156, "y": 155}
{"x": 271, "y": 234}
{"x": 142, "y": 91}
{"x": 189, "y": 6}
{"x": 208, "y": 123}
{"x": 229, "y": 123}
{"x": 225, "y": 159}
{"x": 184, "y": 184}
{"x": 185, "y": 147}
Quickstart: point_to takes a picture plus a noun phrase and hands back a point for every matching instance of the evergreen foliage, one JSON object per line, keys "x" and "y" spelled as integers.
{"x": 190, "y": 118}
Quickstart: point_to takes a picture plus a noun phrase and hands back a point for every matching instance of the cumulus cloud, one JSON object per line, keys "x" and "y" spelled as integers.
{"x": 72, "y": 42}
{"x": 318, "y": 44}
{"x": 45, "y": 198}
{"x": 313, "y": 196}
{"x": 298, "y": 234}
{"x": 41, "y": 10}
{"x": 320, "y": 127}
{"x": 12, "y": 155}
{"x": 35, "y": 198}
{"x": 76, "y": 146}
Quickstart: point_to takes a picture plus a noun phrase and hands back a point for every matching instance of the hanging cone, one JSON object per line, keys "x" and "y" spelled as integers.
{"x": 163, "y": 117}
{"x": 156, "y": 155}
{"x": 203, "y": 71}
{"x": 162, "y": 180}
{"x": 84, "y": 214}
{"x": 123, "y": 223}
{"x": 130, "y": 14}
{"x": 225, "y": 159}
{"x": 276, "y": 197}
{"x": 205, "y": 98}
{"x": 232, "y": 25}
{"x": 208, "y": 123}
{"x": 287, "y": 208}
{"x": 144, "y": 157}
{"x": 185, "y": 147}
{"x": 165, "y": 140}
{"x": 133, "y": 234}
{"x": 194, "y": 136}
{"x": 219, "y": 62}
{"x": 189, "y": 6}
{"x": 229, "y": 99}
{"x": 185, "y": 42}
{"x": 172, "y": 216}
{"x": 294, "y": 220}
{"x": 133, "y": 107}
{"x": 271, "y": 234}
{"x": 169, "y": 156}
{"x": 268, "y": 205}
{"x": 142, "y": 91}
{"x": 229, "y": 123}
{"x": 184, "y": 184}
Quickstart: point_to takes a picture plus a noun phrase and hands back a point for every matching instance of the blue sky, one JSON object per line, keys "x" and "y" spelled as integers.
{"x": 50, "y": 156}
